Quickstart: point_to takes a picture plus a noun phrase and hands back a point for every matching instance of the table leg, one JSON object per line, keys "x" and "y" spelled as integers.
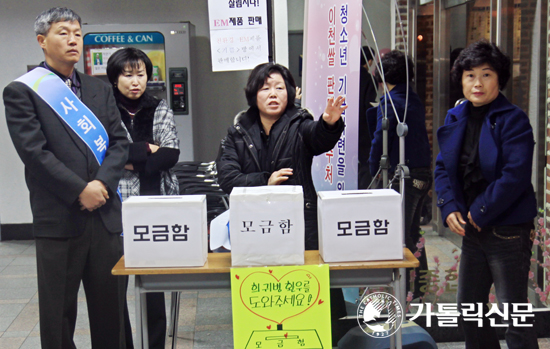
{"x": 174, "y": 320}
{"x": 142, "y": 337}
{"x": 398, "y": 289}
{"x": 137, "y": 292}
{"x": 403, "y": 290}
{"x": 173, "y": 296}
{"x": 403, "y": 300}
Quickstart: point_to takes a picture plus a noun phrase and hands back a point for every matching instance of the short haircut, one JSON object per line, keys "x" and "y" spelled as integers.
{"x": 479, "y": 53}
{"x": 366, "y": 49}
{"x": 127, "y": 57}
{"x": 44, "y": 21}
{"x": 257, "y": 79}
{"x": 394, "y": 64}
{"x": 454, "y": 55}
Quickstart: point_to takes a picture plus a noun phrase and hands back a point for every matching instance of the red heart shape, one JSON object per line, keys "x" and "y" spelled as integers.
{"x": 286, "y": 335}
{"x": 269, "y": 327}
{"x": 270, "y": 271}
{"x": 313, "y": 291}
{"x": 237, "y": 276}
{"x": 321, "y": 302}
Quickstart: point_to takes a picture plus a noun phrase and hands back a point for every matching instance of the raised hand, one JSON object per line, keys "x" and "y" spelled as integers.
{"x": 334, "y": 109}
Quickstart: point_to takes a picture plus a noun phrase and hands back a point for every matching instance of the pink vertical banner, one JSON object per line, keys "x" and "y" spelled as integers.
{"x": 332, "y": 49}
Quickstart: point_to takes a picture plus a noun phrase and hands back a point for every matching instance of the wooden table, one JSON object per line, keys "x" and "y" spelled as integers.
{"x": 215, "y": 274}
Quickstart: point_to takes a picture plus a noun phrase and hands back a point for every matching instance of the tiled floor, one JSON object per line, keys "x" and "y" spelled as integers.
{"x": 19, "y": 326}
{"x": 205, "y": 316}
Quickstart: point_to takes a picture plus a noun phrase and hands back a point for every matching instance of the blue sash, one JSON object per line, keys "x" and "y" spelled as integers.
{"x": 69, "y": 108}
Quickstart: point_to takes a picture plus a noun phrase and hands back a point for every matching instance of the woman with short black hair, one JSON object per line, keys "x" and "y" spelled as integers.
{"x": 154, "y": 150}
{"x": 482, "y": 52}
{"x": 273, "y": 142}
{"x": 259, "y": 75}
{"x": 484, "y": 190}
{"x": 129, "y": 57}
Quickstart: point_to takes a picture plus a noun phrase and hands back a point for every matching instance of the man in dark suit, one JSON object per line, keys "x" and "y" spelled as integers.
{"x": 74, "y": 201}
{"x": 367, "y": 95}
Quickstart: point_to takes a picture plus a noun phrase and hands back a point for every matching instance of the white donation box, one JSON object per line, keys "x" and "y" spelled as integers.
{"x": 165, "y": 231}
{"x": 266, "y": 225}
{"x": 360, "y": 225}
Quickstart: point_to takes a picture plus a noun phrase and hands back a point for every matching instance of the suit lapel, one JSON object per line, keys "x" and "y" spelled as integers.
{"x": 89, "y": 99}
{"x": 79, "y": 143}
{"x": 88, "y": 95}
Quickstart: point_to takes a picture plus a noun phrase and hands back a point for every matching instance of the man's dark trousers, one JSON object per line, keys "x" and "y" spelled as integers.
{"x": 62, "y": 263}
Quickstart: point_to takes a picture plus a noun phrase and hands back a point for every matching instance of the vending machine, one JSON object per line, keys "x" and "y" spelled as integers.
{"x": 169, "y": 46}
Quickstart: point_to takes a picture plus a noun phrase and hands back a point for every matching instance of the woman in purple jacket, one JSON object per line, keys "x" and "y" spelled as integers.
{"x": 483, "y": 185}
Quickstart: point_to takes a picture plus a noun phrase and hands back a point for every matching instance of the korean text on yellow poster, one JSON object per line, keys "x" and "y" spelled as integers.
{"x": 281, "y": 307}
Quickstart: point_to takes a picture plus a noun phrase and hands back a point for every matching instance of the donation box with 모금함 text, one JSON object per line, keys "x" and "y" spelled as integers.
{"x": 360, "y": 225}
{"x": 165, "y": 231}
{"x": 267, "y": 225}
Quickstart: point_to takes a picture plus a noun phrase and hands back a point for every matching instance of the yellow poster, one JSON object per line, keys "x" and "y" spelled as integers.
{"x": 281, "y": 307}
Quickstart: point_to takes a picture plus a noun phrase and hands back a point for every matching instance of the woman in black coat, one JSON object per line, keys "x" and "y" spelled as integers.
{"x": 273, "y": 142}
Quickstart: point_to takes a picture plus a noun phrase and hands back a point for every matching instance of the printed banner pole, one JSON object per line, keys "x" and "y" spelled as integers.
{"x": 332, "y": 51}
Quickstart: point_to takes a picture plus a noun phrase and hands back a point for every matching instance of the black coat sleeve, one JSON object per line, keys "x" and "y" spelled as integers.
{"x": 162, "y": 160}
{"x": 230, "y": 172}
{"x": 165, "y": 136}
{"x": 138, "y": 155}
{"x": 319, "y": 136}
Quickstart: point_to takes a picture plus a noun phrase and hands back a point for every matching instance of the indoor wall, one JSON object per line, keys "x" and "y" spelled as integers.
{"x": 219, "y": 95}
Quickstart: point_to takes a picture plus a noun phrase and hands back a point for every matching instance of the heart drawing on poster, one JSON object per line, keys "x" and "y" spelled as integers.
{"x": 279, "y": 299}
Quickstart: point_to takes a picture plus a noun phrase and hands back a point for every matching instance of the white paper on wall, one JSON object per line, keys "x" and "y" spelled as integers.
{"x": 238, "y": 34}
{"x": 332, "y": 51}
